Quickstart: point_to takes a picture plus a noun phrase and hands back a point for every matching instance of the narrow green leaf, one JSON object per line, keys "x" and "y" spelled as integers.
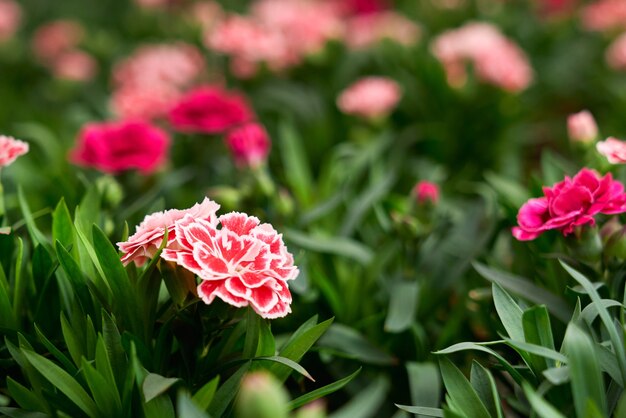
{"x": 527, "y": 290}
{"x": 251, "y": 342}
{"x": 587, "y": 381}
{"x": 67, "y": 364}
{"x": 540, "y": 405}
{"x": 106, "y": 396}
{"x": 267, "y": 344}
{"x": 103, "y": 365}
{"x": 154, "y": 385}
{"x": 187, "y": 408}
{"x": 227, "y": 392}
{"x": 63, "y": 381}
{"x": 321, "y": 392}
{"x": 25, "y": 397}
{"x": 7, "y": 317}
{"x": 340, "y": 246}
{"x": 115, "y": 351}
{"x": 75, "y": 276}
{"x": 289, "y": 363}
{"x": 34, "y": 232}
{"x": 509, "y": 312}
{"x": 591, "y": 311}
{"x": 204, "y": 396}
{"x": 72, "y": 342}
{"x": 485, "y": 386}
{"x": 538, "y": 331}
{"x": 522, "y": 347}
{"x": 21, "y": 285}
{"x": 366, "y": 403}
{"x": 402, "y": 306}
{"x": 422, "y": 410}
{"x": 350, "y": 342}
{"x": 18, "y": 413}
{"x": 557, "y": 375}
{"x": 295, "y": 164}
{"x": 62, "y": 226}
{"x": 460, "y": 390}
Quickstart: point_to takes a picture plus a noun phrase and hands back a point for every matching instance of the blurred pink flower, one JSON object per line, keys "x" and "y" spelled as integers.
{"x": 616, "y": 54}
{"x": 152, "y": 4}
{"x": 249, "y": 144}
{"x": 613, "y": 149}
{"x": 209, "y": 110}
{"x": 149, "y": 234}
{"x": 243, "y": 263}
{"x": 366, "y": 30}
{"x": 10, "y": 149}
{"x": 582, "y": 127}
{"x": 118, "y": 146}
{"x": 56, "y": 38}
{"x": 206, "y": 13}
{"x": 142, "y": 103}
{"x": 570, "y": 203}
{"x": 604, "y": 15}
{"x": 361, "y": 7}
{"x": 496, "y": 59}
{"x": 370, "y": 97}
{"x": 75, "y": 66}
{"x": 426, "y": 192}
{"x": 10, "y": 19}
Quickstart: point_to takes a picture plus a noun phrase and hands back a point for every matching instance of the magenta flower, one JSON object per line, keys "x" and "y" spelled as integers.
{"x": 118, "y": 146}
{"x": 582, "y": 127}
{"x": 613, "y": 149}
{"x": 149, "y": 234}
{"x": 570, "y": 203}
{"x": 426, "y": 192}
{"x": 244, "y": 263}
{"x": 10, "y": 149}
{"x": 370, "y": 97}
{"x": 210, "y": 110}
{"x": 249, "y": 144}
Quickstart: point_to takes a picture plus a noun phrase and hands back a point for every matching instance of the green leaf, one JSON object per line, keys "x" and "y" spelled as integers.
{"x": 21, "y": 285}
{"x": 62, "y": 226}
{"x": 106, "y": 396}
{"x": 321, "y": 392}
{"x": 75, "y": 276}
{"x": 67, "y": 364}
{"x": 587, "y": 381}
{"x": 460, "y": 390}
{"x": 591, "y": 311}
{"x": 289, "y": 363}
{"x": 485, "y": 386}
{"x": 366, "y": 403}
{"x": 72, "y": 342}
{"x": 25, "y": 397}
{"x": 538, "y": 331}
{"x": 513, "y": 193}
{"x": 115, "y": 351}
{"x": 527, "y": 290}
{"x": 522, "y": 348}
{"x": 227, "y": 392}
{"x": 350, "y": 342}
{"x": 540, "y": 405}
{"x": 7, "y": 317}
{"x": 267, "y": 345}
{"x": 296, "y": 348}
{"x": 154, "y": 385}
{"x": 509, "y": 312}
{"x": 103, "y": 365}
{"x": 422, "y": 410}
{"x": 18, "y": 413}
{"x": 424, "y": 383}
{"x": 616, "y": 341}
{"x": 253, "y": 323}
{"x": 295, "y": 164}
{"x": 204, "y": 396}
{"x": 402, "y": 306}
{"x": 63, "y": 382}
{"x": 34, "y": 232}
{"x": 187, "y": 408}
{"x": 341, "y": 246}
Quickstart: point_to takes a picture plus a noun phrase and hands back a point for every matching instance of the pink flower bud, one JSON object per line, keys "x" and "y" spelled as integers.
{"x": 249, "y": 144}
{"x": 426, "y": 192}
{"x": 582, "y": 127}
{"x": 370, "y": 97}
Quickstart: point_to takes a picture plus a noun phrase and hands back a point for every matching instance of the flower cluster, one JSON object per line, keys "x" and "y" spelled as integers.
{"x": 604, "y": 15}
{"x": 119, "y": 146}
{"x": 370, "y": 97}
{"x": 237, "y": 258}
{"x": 55, "y": 45}
{"x": 10, "y": 149}
{"x": 364, "y": 31}
{"x": 496, "y": 59}
{"x": 570, "y": 203}
{"x": 10, "y": 19}
{"x": 148, "y": 82}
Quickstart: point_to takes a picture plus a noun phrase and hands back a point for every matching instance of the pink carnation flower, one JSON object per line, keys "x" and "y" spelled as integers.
{"x": 149, "y": 234}
{"x": 75, "y": 66}
{"x": 616, "y": 54}
{"x": 249, "y": 144}
{"x": 613, "y": 149}
{"x": 10, "y": 19}
{"x": 496, "y": 59}
{"x": 142, "y": 103}
{"x": 604, "y": 15}
{"x": 362, "y": 7}
{"x": 244, "y": 263}
{"x": 118, "y": 146}
{"x": 210, "y": 110}
{"x": 56, "y": 38}
{"x": 370, "y": 97}
{"x": 10, "y": 149}
{"x": 570, "y": 203}
{"x": 369, "y": 29}
{"x": 426, "y": 192}
{"x": 582, "y": 127}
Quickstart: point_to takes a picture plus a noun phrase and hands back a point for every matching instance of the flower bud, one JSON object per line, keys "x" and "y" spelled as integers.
{"x": 249, "y": 144}
{"x": 261, "y": 396}
{"x": 315, "y": 409}
{"x": 426, "y": 192}
{"x": 582, "y": 127}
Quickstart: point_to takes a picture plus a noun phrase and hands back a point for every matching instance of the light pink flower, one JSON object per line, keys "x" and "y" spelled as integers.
{"x": 243, "y": 263}
{"x": 249, "y": 144}
{"x": 367, "y": 30}
{"x": 10, "y": 149}
{"x": 616, "y": 54}
{"x": 426, "y": 192}
{"x": 149, "y": 234}
{"x": 56, "y": 38}
{"x": 119, "y": 146}
{"x": 570, "y": 203}
{"x": 206, "y": 13}
{"x": 496, "y": 59}
{"x": 143, "y": 103}
{"x": 613, "y": 149}
{"x": 210, "y": 110}
{"x": 75, "y": 66}
{"x": 10, "y": 19}
{"x": 152, "y": 4}
{"x": 582, "y": 127}
{"x": 604, "y": 15}
{"x": 370, "y": 97}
